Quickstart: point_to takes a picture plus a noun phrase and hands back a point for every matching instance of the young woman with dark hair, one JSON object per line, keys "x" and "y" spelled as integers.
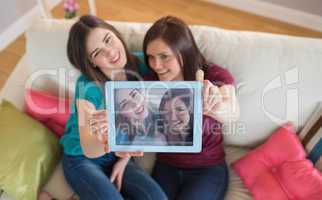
{"x": 136, "y": 120}
{"x": 172, "y": 54}
{"x": 176, "y": 113}
{"x": 98, "y": 51}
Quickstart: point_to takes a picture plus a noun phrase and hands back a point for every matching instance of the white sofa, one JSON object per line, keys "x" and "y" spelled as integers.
{"x": 278, "y": 79}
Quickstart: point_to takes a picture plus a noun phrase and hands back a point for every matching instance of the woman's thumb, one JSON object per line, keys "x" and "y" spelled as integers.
{"x": 200, "y": 75}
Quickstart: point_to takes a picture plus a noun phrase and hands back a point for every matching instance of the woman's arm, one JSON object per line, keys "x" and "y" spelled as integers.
{"x": 118, "y": 172}
{"x": 93, "y": 144}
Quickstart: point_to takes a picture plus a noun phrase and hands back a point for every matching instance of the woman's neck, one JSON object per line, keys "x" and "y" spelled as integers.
{"x": 179, "y": 77}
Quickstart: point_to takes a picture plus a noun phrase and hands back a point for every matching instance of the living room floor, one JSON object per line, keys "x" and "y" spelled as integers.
{"x": 192, "y": 11}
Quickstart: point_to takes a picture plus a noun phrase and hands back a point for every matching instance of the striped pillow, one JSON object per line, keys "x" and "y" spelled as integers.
{"x": 311, "y": 136}
{"x": 318, "y": 164}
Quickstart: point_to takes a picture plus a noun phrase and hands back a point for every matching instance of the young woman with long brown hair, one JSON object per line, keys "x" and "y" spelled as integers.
{"x": 97, "y": 50}
{"x": 172, "y": 54}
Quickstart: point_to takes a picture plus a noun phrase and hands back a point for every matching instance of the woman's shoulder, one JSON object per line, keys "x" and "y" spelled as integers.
{"x": 83, "y": 83}
{"x": 82, "y": 79}
{"x": 88, "y": 90}
{"x": 219, "y": 75}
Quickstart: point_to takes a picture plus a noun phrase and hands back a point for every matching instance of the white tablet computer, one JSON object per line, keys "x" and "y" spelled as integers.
{"x": 154, "y": 116}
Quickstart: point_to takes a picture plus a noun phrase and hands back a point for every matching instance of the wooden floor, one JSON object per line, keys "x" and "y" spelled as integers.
{"x": 192, "y": 11}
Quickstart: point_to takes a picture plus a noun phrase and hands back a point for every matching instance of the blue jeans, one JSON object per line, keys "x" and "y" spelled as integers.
{"x": 89, "y": 178}
{"x": 208, "y": 183}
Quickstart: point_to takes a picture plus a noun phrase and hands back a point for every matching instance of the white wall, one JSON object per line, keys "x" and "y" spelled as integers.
{"x": 16, "y": 16}
{"x": 12, "y": 10}
{"x": 309, "y": 6}
{"x": 305, "y": 13}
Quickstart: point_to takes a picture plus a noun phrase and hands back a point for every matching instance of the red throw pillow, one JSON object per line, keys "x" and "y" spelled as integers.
{"x": 52, "y": 111}
{"x": 278, "y": 169}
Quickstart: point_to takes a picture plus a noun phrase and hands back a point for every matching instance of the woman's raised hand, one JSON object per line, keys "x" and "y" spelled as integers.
{"x": 99, "y": 126}
{"x": 211, "y": 95}
{"x": 95, "y": 121}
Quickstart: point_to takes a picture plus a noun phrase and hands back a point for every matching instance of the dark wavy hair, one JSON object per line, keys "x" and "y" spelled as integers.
{"x": 177, "y": 35}
{"x": 185, "y": 95}
{"x": 76, "y": 48}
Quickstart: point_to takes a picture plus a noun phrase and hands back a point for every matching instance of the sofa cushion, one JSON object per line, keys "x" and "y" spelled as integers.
{"x": 278, "y": 169}
{"x": 28, "y": 153}
{"x": 50, "y": 110}
{"x": 236, "y": 189}
{"x": 302, "y": 180}
{"x": 57, "y": 186}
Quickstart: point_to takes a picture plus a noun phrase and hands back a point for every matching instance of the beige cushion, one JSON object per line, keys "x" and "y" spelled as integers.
{"x": 236, "y": 189}
{"x": 146, "y": 162}
{"x": 57, "y": 185}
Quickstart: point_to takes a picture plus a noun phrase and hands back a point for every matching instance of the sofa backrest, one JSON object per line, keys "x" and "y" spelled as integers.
{"x": 278, "y": 78}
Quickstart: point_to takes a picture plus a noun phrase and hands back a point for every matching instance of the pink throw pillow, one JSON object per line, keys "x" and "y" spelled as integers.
{"x": 52, "y": 111}
{"x": 278, "y": 169}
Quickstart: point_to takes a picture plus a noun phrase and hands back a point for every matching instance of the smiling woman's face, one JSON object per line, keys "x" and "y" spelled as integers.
{"x": 163, "y": 61}
{"x": 105, "y": 49}
{"x": 132, "y": 104}
{"x": 177, "y": 115}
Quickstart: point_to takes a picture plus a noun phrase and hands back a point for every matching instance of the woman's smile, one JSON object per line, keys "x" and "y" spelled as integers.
{"x": 177, "y": 124}
{"x": 115, "y": 59}
{"x": 164, "y": 73}
{"x": 139, "y": 110}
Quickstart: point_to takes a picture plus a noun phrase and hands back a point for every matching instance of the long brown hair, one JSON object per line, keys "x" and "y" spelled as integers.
{"x": 186, "y": 96}
{"x": 76, "y": 48}
{"x": 177, "y": 35}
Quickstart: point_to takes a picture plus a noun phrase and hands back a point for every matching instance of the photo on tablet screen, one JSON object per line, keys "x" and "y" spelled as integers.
{"x": 154, "y": 116}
